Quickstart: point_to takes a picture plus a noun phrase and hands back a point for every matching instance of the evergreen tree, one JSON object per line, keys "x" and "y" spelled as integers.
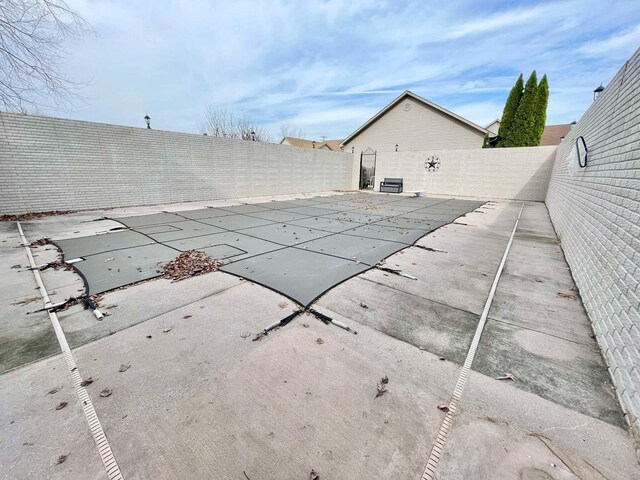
{"x": 522, "y": 132}
{"x": 509, "y": 112}
{"x": 485, "y": 142}
{"x": 541, "y": 110}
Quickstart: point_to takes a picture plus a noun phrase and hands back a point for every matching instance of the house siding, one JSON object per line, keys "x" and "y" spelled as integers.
{"x": 420, "y": 128}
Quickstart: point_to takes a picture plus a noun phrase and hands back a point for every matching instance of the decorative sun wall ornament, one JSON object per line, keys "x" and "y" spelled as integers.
{"x": 432, "y": 163}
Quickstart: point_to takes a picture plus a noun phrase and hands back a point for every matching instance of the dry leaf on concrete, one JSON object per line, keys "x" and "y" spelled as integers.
{"x": 86, "y": 381}
{"x": 259, "y": 337}
{"x": 568, "y": 296}
{"x": 124, "y": 367}
{"x": 26, "y": 301}
{"x": 381, "y": 387}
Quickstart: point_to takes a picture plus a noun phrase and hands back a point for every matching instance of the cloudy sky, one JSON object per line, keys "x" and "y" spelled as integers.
{"x": 326, "y": 67}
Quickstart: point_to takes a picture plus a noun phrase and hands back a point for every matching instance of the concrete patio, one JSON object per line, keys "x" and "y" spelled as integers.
{"x": 202, "y": 400}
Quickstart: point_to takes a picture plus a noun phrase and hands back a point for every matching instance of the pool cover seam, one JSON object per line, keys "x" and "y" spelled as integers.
{"x": 318, "y": 229}
{"x": 445, "y": 427}
{"x": 324, "y": 291}
{"x": 104, "y": 448}
{"x": 239, "y": 230}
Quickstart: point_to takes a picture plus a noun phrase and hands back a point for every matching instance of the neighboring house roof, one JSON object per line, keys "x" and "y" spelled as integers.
{"x": 493, "y": 126}
{"x": 304, "y": 143}
{"x": 333, "y": 144}
{"x": 553, "y": 134}
{"x": 424, "y": 101}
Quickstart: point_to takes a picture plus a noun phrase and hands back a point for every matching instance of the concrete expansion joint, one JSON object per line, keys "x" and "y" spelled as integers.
{"x": 451, "y": 408}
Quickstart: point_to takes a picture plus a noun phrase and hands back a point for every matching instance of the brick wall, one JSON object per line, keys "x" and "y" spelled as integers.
{"x": 49, "y": 163}
{"x": 500, "y": 173}
{"x": 596, "y": 213}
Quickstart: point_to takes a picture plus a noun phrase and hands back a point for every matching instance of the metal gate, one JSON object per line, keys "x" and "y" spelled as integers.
{"x": 368, "y": 169}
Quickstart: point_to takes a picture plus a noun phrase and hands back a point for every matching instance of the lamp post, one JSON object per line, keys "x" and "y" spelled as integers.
{"x": 147, "y": 120}
{"x": 597, "y": 92}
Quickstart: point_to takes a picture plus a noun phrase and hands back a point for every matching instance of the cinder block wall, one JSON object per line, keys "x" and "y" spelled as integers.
{"x": 50, "y": 163}
{"x": 500, "y": 173}
{"x": 596, "y": 213}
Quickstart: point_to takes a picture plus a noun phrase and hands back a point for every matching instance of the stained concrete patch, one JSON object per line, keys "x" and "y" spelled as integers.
{"x": 502, "y": 432}
{"x": 32, "y": 340}
{"x": 435, "y": 327}
{"x": 577, "y": 378}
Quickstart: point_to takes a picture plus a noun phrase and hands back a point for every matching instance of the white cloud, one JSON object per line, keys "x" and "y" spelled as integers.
{"x": 326, "y": 67}
{"x": 619, "y": 43}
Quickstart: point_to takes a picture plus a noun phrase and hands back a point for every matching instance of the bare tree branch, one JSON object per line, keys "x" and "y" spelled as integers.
{"x": 227, "y": 124}
{"x": 289, "y": 131}
{"x": 32, "y": 35}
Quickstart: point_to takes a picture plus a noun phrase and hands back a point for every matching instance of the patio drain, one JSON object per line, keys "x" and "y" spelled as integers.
{"x": 104, "y": 449}
{"x": 445, "y": 427}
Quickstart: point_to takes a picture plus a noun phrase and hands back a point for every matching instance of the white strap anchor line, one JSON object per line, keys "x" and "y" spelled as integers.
{"x": 445, "y": 427}
{"x": 109, "y": 461}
